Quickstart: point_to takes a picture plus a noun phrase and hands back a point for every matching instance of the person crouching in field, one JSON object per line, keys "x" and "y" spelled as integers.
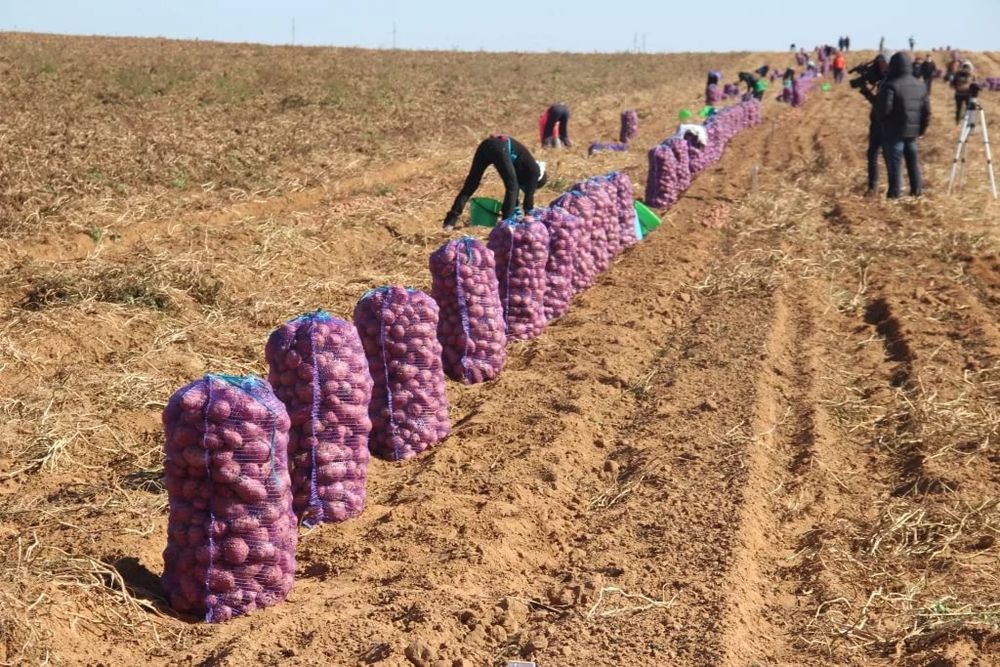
{"x": 557, "y": 114}
{"x": 904, "y": 109}
{"x": 517, "y": 168}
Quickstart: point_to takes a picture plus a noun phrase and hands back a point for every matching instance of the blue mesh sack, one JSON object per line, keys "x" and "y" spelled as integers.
{"x": 409, "y": 406}
{"x": 231, "y": 532}
{"x": 319, "y": 371}
{"x": 471, "y": 326}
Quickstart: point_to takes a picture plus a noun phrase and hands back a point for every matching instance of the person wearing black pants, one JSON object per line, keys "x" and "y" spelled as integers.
{"x": 517, "y": 168}
{"x": 753, "y": 85}
{"x": 557, "y": 113}
{"x": 905, "y": 112}
{"x": 962, "y": 83}
{"x": 874, "y": 130}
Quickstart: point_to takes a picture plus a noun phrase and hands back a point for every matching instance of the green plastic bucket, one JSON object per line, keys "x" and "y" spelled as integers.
{"x": 648, "y": 220}
{"x": 484, "y": 212}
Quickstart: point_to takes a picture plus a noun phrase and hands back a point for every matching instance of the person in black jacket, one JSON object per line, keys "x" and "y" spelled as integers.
{"x": 557, "y": 113}
{"x": 874, "y": 128}
{"x": 516, "y": 167}
{"x": 904, "y": 110}
{"x": 927, "y": 70}
{"x": 962, "y": 83}
{"x": 753, "y": 85}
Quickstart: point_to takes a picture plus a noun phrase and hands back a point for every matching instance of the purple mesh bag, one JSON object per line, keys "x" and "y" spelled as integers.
{"x": 564, "y": 229}
{"x": 683, "y": 161}
{"x": 604, "y": 192}
{"x": 600, "y": 147}
{"x": 231, "y": 532}
{"x": 521, "y": 248}
{"x": 662, "y": 185}
{"x": 319, "y": 371}
{"x": 584, "y": 272}
{"x": 697, "y": 158}
{"x": 624, "y": 208}
{"x": 409, "y": 406}
{"x": 630, "y": 126}
{"x": 470, "y": 327}
{"x": 713, "y": 94}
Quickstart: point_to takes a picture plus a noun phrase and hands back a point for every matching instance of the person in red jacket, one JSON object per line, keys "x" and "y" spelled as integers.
{"x": 557, "y": 114}
{"x": 839, "y": 65}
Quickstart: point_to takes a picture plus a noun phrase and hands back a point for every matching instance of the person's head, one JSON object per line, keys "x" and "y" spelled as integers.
{"x": 900, "y": 63}
{"x": 966, "y": 66}
{"x": 882, "y": 64}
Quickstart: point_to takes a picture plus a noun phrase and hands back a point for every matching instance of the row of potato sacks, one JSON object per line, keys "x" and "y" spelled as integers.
{"x": 247, "y": 460}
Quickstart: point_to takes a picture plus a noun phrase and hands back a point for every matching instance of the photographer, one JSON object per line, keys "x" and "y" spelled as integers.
{"x": 962, "y": 82}
{"x": 868, "y": 83}
{"x": 903, "y": 107}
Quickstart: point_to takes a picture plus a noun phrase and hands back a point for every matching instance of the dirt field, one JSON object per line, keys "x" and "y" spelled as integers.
{"x": 767, "y": 436}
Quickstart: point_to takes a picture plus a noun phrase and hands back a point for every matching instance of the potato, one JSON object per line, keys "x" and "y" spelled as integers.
{"x": 328, "y": 401}
{"x": 470, "y": 320}
{"x": 398, "y": 330}
{"x": 521, "y": 248}
{"x": 226, "y": 472}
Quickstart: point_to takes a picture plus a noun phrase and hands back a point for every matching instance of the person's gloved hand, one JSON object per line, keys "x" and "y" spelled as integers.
{"x": 450, "y": 221}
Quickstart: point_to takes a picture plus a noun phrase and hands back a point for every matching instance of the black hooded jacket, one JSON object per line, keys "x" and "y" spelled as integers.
{"x": 903, "y": 105}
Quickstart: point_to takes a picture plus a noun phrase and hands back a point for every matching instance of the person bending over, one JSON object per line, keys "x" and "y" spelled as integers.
{"x": 556, "y": 114}
{"x": 517, "y": 168}
{"x": 753, "y": 84}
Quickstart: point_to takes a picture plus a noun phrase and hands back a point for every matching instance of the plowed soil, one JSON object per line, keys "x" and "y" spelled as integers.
{"x": 767, "y": 436}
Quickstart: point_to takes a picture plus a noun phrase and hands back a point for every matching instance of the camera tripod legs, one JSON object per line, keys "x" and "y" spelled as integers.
{"x": 966, "y": 130}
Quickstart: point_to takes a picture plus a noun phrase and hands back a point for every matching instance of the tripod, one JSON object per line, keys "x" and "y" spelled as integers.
{"x": 974, "y": 113}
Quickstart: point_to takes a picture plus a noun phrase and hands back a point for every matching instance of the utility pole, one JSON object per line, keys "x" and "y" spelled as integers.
{"x": 643, "y": 42}
{"x": 293, "y": 31}
{"x": 635, "y": 42}
{"x": 393, "y": 35}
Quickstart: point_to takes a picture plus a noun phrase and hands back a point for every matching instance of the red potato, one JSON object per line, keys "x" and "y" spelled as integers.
{"x": 398, "y": 329}
{"x": 319, "y": 370}
{"x": 563, "y": 228}
{"x": 521, "y": 248}
{"x": 222, "y": 490}
{"x": 471, "y": 327}
{"x": 584, "y": 272}
{"x": 625, "y": 208}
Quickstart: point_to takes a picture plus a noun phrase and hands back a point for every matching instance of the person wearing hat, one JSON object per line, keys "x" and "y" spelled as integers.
{"x": 517, "y": 168}
{"x": 962, "y": 83}
{"x": 557, "y": 114}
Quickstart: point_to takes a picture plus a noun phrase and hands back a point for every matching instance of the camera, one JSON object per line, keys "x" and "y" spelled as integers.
{"x": 973, "y": 102}
{"x": 867, "y": 74}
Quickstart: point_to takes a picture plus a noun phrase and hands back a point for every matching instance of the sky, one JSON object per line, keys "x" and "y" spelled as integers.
{"x": 525, "y": 25}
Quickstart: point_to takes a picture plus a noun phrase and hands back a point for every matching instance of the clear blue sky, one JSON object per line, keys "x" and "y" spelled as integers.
{"x": 525, "y": 25}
